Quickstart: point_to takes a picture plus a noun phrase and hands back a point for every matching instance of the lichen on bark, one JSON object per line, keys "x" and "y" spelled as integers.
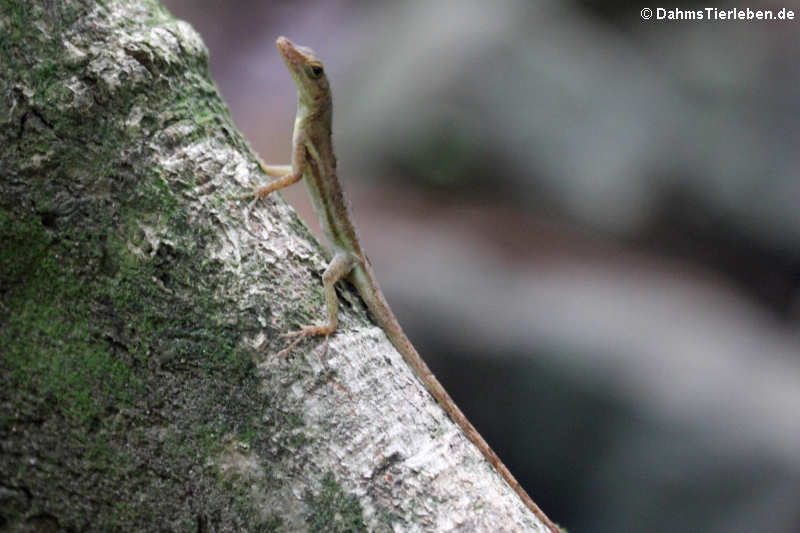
{"x": 121, "y": 366}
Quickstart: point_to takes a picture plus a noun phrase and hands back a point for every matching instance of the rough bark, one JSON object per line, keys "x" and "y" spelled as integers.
{"x": 142, "y": 307}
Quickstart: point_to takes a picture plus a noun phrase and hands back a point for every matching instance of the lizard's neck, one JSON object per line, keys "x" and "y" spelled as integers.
{"x": 319, "y": 111}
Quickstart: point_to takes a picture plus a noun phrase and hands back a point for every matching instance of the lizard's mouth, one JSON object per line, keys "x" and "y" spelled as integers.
{"x": 284, "y": 44}
{"x": 291, "y": 55}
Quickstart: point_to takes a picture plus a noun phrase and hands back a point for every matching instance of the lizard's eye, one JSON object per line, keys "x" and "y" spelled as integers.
{"x": 315, "y": 70}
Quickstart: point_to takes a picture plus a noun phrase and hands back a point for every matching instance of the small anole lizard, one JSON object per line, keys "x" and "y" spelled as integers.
{"x": 313, "y": 159}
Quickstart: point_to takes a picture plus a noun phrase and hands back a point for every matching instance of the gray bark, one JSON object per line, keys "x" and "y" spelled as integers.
{"x": 142, "y": 307}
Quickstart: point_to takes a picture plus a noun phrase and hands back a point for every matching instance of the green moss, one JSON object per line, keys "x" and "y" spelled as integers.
{"x": 250, "y": 434}
{"x": 19, "y": 14}
{"x": 333, "y": 510}
{"x": 123, "y": 341}
{"x": 52, "y": 349}
{"x": 272, "y": 524}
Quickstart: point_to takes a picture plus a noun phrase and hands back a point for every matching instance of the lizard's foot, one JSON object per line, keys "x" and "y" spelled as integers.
{"x": 302, "y": 333}
{"x": 257, "y": 193}
{"x": 309, "y": 331}
{"x": 277, "y": 171}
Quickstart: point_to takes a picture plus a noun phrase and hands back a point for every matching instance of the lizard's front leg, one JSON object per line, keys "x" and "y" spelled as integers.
{"x": 286, "y": 174}
{"x": 339, "y": 267}
{"x": 275, "y": 171}
{"x": 280, "y": 183}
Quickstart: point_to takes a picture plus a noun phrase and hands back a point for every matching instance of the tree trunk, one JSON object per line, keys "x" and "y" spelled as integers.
{"x": 142, "y": 308}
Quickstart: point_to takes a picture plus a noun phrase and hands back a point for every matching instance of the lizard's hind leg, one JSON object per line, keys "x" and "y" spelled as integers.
{"x": 339, "y": 267}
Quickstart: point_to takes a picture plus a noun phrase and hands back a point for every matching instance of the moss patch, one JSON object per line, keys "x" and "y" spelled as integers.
{"x": 333, "y": 510}
{"x": 119, "y": 365}
{"x": 53, "y": 350}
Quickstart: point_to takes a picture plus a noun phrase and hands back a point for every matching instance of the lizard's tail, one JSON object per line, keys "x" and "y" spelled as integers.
{"x": 364, "y": 280}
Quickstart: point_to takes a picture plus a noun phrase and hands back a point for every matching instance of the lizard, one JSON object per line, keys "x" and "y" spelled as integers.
{"x": 313, "y": 159}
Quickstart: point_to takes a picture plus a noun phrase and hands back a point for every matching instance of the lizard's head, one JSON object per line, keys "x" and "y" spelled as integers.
{"x": 306, "y": 69}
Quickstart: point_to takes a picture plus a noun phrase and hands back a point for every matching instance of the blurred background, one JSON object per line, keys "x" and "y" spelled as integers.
{"x": 588, "y": 224}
